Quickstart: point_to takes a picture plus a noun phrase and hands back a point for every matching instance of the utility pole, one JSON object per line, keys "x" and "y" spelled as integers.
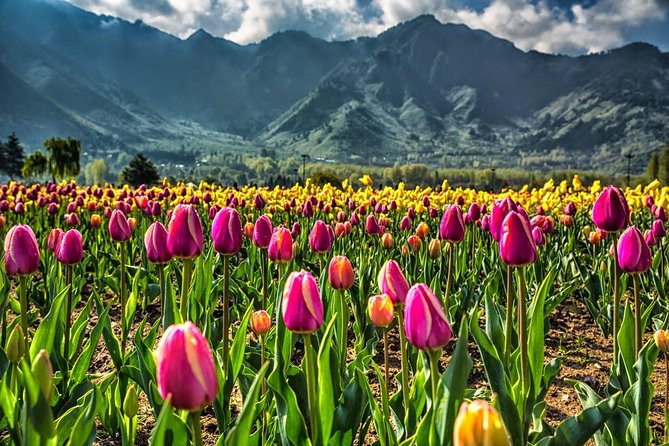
{"x": 629, "y": 157}
{"x": 492, "y": 179}
{"x": 305, "y": 157}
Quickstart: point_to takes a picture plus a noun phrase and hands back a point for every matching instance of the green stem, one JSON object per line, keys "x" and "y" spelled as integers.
{"x": 196, "y": 426}
{"x": 434, "y": 376}
{"x": 123, "y": 298}
{"x": 666, "y": 392}
{"x": 638, "y": 335}
{"x": 263, "y": 269}
{"x": 405, "y": 362}
{"x": 449, "y": 277}
{"x": 161, "y": 280}
{"x": 186, "y": 275}
{"x": 68, "y": 324}
{"x": 508, "y": 328}
{"x": 310, "y": 371}
{"x": 343, "y": 329}
{"x": 616, "y": 298}
{"x": 522, "y": 340}
{"x": 226, "y": 310}
{"x": 23, "y": 297}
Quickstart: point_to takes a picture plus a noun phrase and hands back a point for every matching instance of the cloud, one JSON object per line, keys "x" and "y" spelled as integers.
{"x": 543, "y": 25}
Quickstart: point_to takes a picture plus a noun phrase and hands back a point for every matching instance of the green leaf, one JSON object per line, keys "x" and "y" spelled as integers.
{"x": 83, "y": 432}
{"x": 84, "y": 360}
{"x": 326, "y": 403}
{"x": 46, "y": 332}
{"x": 639, "y": 397}
{"x": 170, "y": 430}
{"x": 626, "y": 343}
{"x": 241, "y": 431}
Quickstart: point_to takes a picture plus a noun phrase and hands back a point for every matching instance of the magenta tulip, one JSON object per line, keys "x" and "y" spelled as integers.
{"x": 301, "y": 305}
{"x": 262, "y": 232}
{"x": 499, "y": 211}
{"x": 320, "y": 238}
{"x": 658, "y": 229}
{"x": 610, "y": 211}
{"x": 452, "y": 227}
{"x": 280, "y": 248}
{"x": 405, "y": 223}
{"x": 633, "y": 252}
{"x": 426, "y": 325}
{"x": 649, "y": 237}
{"x": 69, "y": 250}
{"x": 516, "y": 245}
{"x": 392, "y": 282}
{"x": 184, "y": 232}
{"x": 474, "y": 212}
{"x": 155, "y": 241}
{"x": 538, "y": 236}
{"x": 185, "y": 368}
{"x": 119, "y": 229}
{"x": 372, "y": 226}
{"x": 21, "y": 251}
{"x": 54, "y": 237}
{"x": 570, "y": 209}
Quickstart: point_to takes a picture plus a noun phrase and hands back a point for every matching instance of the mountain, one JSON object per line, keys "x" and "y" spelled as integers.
{"x": 421, "y": 91}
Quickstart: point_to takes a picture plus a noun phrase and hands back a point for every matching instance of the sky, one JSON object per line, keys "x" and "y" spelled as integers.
{"x": 551, "y": 26}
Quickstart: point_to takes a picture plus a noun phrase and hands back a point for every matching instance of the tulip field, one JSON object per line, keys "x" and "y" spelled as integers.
{"x": 338, "y": 315}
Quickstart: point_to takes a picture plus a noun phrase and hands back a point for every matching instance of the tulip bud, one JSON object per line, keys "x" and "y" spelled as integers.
{"x": 570, "y": 209}
{"x": 633, "y": 252}
{"x": 474, "y": 212}
{"x": 516, "y": 245}
{"x": 649, "y": 237}
{"x": 21, "y": 251}
{"x": 248, "y": 229}
{"x": 405, "y": 250}
{"x": 340, "y": 273}
{"x": 131, "y": 402}
{"x": 280, "y": 248}
{"x": 16, "y": 346}
{"x": 119, "y": 228}
{"x": 69, "y": 250}
{"x": 426, "y": 325}
{"x": 595, "y": 237}
{"x": 301, "y": 305}
{"x": 184, "y": 232}
{"x": 660, "y": 213}
{"x": 434, "y": 248}
{"x": 499, "y": 211}
{"x": 54, "y": 236}
{"x": 132, "y": 223}
{"x": 155, "y": 241}
{"x": 43, "y": 373}
{"x": 658, "y": 229}
{"x": 610, "y": 211}
{"x": 567, "y": 220}
{"x": 662, "y": 340}
{"x": 479, "y": 424}
{"x": 320, "y": 239}
{"x": 371, "y": 225}
{"x": 649, "y": 201}
{"x": 422, "y": 230}
{"x": 452, "y": 227}
{"x": 586, "y": 231}
{"x": 260, "y": 322}
{"x": 185, "y": 368}
{"x": 538, "y": 236}
{"x": 258, "y": 202}
{"x": 380, "y": 310}
{"x": 405, "y": 224}
{"x": 387, "y": 241}
{"x": 96, "y": 221}
{"x": 392, "y": 282}
{"x": 262, "y": 232}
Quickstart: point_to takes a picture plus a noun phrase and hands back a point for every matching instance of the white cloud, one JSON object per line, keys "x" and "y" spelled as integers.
{"x": 530, "y": 25}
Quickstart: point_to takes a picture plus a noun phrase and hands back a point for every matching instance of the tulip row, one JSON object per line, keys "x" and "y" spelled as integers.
{"x": 289, "y": 321}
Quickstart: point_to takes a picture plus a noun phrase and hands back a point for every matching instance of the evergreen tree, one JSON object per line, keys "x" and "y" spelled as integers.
{"x": 13, "y": 157}
{"x": 140, "y": 170}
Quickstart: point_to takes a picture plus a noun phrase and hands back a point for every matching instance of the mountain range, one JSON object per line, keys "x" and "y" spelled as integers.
{"x": 421, "y": 91}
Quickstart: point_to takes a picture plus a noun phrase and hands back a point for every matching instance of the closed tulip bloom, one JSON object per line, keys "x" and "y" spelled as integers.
{"x": 570, "y": 209}
{"x": 662, "y": 340}
{"x": 387, "y": 241}
{"x": 185, "y": 368}
{"x": 69, "y": 250}
{"x": 452, "y": 227}
{"x": 649, "y": 237}
{"x": 301, "y": 305}
{"x": 258, "y": 202}
{"x": 119, "y": 228}
{"x": 320, "y": 240}
{"x": 479, "y": 424}
{"x": 340, "y": 273}
{"x": 516, "y": 245}
{"x": 499, "y": 211}
{"x": 414, "y": 242}
{"x": 96, "y": 221}
{"x": 184, "y": 232}
{"x": 262, "y": 232}
{"x": 380, "y": 310}
{"x": 660, "y": 214}
{"x": 610, "y": 211}
{"x": 546, "y": 224}
{"x": 595, "y": 237}
{"x": 474, "y": 212}
{"x": 485, "y": 223}
{"x": 567, "y": 220}
{"x": 226, "y": 232}
{"x": 538, "y": 236}
{"x": 371, "y": 225}
{"x": 649, "y": 201}
{"x": 426, "y": 324}
{"x": 434, "y": 248}
{"x": 392, "y": 282}
{"x": 658, "y": 229}
{"x": 54, "y": 237}
{"x": 260, "y": 322}
{"x": 21, "y": 251}
{"x": 422, "y": 230}
{"x": 71, "y": 219}
{"x": 280, "y": 248}
{"x": 633, "y": 252}
{"x": 405, "y": 224}
{"x": 248, "y": 229}
{"x": 155, "y": 241}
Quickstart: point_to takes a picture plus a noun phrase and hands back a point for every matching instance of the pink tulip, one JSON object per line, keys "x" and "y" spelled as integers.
{"x": 538, "y": 236}
{"x": 371, "y": 225}
{"x": 499, "y": 211}
{"x": 340, "y": 273}
{"x": 184, "y": 232}
{"x": 392, "y": 282}
{"x": 426, "y": 325}
{"x": 301, "y": 305}
{"x": 54, "y": 237}
{"x": 633, "y": 252}
{"x": 69, "y": 250}
{"x": 516, "y": 245}
{"x": 280, "y": 248}
{"x": 474, "y": 212}
{"x": 452, "y": 228}
{"x": 21, "y": 251}
{"x": 405, "y": 223}
{"x": 320, "y": 238}
{"x": 155, "y": 241}
{"x": 262, "y": 232}
{"x": 185, "y": 368}
{"x": 119, "y": 229}
{"x": 610, "y": 211}
{"x": 658, "y": 229}
{"x": 649, "y": 237}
